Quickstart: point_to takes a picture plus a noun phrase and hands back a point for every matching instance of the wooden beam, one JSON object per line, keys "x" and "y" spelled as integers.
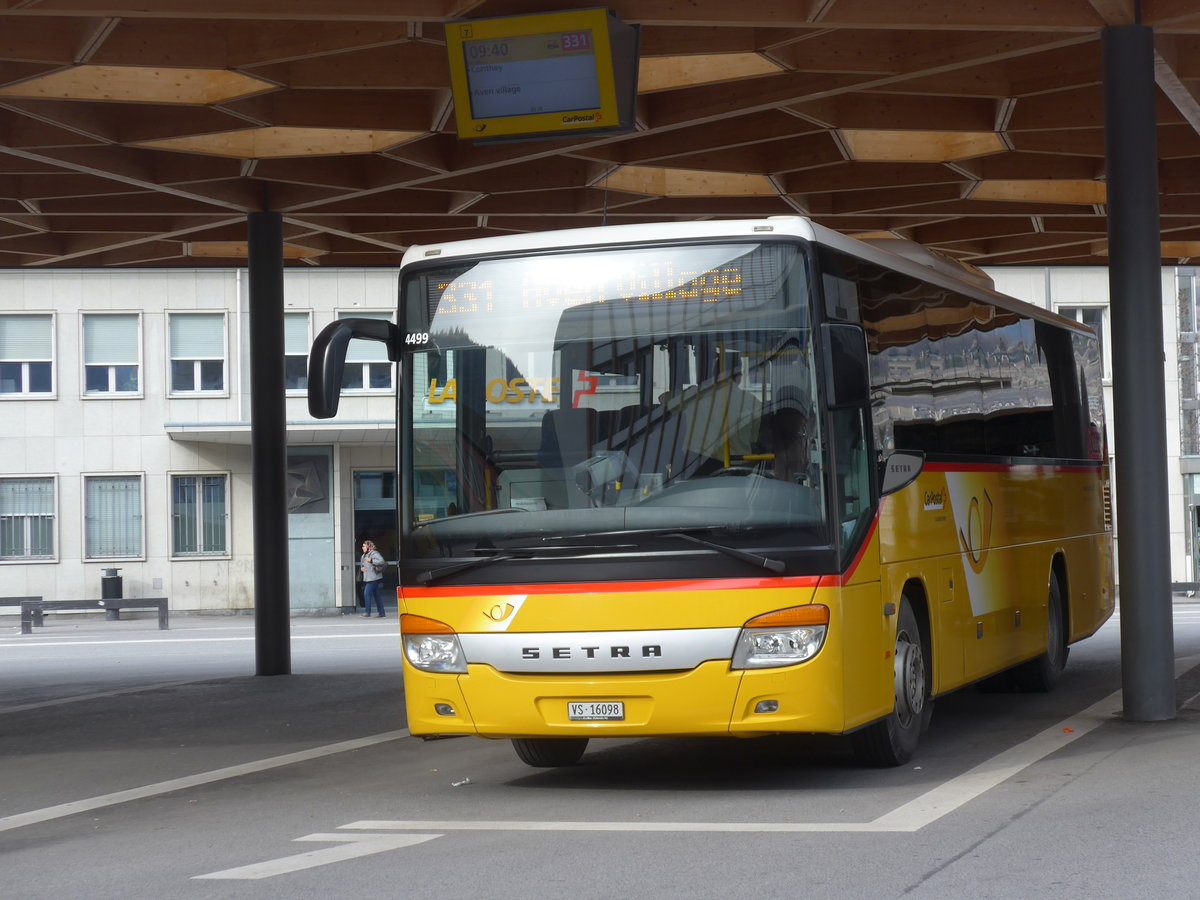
{"x": 891, "y": 199}
{"x": 852, "y": 176}
{"x": 407, "y": 65}
{"x": 1182, "y": 95}
{"x": 29, "y": 39}
{"x": 703, "y": 104}
{"x": 669, "y": 73}
{"x": 384, "y": 109}
{"x": 879, "y": 111}
{"x": 237, "y": 10}
{"x": 138, "y": 84}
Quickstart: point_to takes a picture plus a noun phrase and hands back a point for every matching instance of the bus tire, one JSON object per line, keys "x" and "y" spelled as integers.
{"x": 1041, "y": 674}
{"x": 549, "y": 752}
{"x": 893, "y": 740}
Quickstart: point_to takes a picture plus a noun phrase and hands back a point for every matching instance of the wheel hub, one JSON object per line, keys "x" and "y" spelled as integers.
{"x": 910, "y": 680}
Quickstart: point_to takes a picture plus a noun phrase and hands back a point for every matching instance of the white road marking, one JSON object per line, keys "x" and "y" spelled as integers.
{"x": 924, "y": 810}
{"x": 680, "y": 827}
{"x": 76, "y": 698}
{"x": 957, "y": 792}
{"x": 62, "y": 810}
{"x": 912, "y": 816}
{"x": 352, "y": 847}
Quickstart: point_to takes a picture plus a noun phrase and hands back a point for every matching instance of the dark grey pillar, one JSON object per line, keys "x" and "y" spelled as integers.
{"x": 268, "y": 445}
{"x": 1139, "y": 416}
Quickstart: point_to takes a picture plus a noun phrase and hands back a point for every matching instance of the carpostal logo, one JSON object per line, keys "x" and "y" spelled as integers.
{"x": 579, "y": 118}
{"x": 935, "y": 500}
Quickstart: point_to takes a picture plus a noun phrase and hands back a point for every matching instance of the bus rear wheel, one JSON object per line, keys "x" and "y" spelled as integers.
{"x": 550, "y": 752}
{"x": 1041, "y": 674}
{"x": 893, "y": 740}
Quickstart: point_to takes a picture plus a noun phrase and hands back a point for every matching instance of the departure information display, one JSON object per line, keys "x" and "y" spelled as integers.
{"x": 533, "y": 73}
{"x": 529, "y": 77}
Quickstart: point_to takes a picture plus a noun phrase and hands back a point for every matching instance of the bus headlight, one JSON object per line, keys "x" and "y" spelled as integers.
{"x": 782, "y": 638}
{"x": 431, "y": 646}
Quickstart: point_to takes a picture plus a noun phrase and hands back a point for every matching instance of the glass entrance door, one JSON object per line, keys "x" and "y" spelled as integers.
{"x": 375, "y": 519}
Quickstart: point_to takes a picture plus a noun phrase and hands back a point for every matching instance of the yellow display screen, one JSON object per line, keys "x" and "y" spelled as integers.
{"x": 540, "y": 74}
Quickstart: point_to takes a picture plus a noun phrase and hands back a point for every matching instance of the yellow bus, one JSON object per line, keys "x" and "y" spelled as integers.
{"x": 730, "y": 478}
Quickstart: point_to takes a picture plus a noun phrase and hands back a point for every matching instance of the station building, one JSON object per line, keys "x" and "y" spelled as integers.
{"x": 125, "y": 398}
{"x": 125, "y": 445}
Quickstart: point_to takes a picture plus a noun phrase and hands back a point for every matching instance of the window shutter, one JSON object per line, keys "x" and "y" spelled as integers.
{"x": 110, "y": 340}
{"x": 295, "y": 334}
{"x": 25, "y": 338}
{"x": 198, "y": 336}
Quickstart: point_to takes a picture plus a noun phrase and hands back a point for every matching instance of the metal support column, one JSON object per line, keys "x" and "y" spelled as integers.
{"x": 1139, "y": 415}
{"x": 268, "y": 445}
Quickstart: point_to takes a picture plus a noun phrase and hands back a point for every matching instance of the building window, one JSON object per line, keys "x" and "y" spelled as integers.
{"x": 1096, "y": 318}
{"x": 198, "y": 515}
{"x": 26, "y": 355}
{"x": 111, "y": 354}
{"x": 367, "y": 365}
{"x": 26, "y": 518}
{"x": 295, "y": 349}
{"x": 197, "y": 353}
{"x": 112, "y": 516}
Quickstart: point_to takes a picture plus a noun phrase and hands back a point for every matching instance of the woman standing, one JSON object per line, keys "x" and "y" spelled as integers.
{"x": 371, "y": 565}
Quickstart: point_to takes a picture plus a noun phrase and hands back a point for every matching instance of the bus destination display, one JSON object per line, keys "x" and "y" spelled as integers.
{"x": 529, "y": 74}
{"x": 663, "y": 282}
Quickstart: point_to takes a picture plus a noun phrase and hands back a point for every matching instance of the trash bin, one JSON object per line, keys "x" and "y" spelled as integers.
{"x": 111, "y": 587}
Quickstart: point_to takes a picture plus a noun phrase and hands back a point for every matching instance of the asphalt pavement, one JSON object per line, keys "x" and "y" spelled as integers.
{"x": 136, "y": 763}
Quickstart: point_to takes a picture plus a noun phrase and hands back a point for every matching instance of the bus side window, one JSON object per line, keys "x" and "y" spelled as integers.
{"x": 853, "y": 477}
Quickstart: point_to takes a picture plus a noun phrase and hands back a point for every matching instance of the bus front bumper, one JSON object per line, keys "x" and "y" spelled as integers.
{"x": 710, "y": 700}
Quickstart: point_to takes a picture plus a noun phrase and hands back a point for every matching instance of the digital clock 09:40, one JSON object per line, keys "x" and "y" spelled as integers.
{"x": 481, "y": 50}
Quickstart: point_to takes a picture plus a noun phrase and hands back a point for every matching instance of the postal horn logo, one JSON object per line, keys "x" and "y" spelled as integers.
{"x": 499, "y": 613}
{"x": 977, "y": 538}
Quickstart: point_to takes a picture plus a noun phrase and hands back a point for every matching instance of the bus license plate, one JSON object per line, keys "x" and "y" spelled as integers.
{"x": 596, "y": 711}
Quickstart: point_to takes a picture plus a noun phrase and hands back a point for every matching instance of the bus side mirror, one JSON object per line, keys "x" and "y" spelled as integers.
{"x": 327, "y": 359}
{"x": 900, "y": 469}
{"x": 847, "y": 382}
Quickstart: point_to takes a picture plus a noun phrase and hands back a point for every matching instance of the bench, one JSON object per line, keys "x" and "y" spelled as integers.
{"x": 15, "y": 601}
{"x": 32, "y": 608}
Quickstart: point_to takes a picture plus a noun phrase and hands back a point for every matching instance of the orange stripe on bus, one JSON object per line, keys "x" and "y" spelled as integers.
{"x": 610, "y": 587}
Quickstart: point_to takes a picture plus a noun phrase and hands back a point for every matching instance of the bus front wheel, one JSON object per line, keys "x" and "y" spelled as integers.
{"x": 892, "y": 740}
{"x": 549, "y": 752}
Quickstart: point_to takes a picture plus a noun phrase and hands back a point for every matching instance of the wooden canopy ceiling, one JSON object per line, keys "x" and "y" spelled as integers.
{"x": 141, "y": 134}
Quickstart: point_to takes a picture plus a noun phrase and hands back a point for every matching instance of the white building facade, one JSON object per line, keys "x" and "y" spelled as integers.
{"x": 124, "y": 398}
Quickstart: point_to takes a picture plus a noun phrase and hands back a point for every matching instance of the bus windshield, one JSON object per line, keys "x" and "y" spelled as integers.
{"x": 611, "y": 393}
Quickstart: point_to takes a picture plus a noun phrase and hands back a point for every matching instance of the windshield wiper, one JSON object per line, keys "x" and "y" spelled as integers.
{"x": 762, "y": 562}
{"x": 754, "y": 559}
{"x": 446, "y": 571}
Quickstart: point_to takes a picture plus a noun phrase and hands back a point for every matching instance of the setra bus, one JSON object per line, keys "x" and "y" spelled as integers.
{"x": 730, "y": 478}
